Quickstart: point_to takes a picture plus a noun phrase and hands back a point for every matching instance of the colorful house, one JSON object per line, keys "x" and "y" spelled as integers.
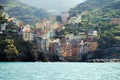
{"x": 28, "y": 35}
{"x": 55, "y": 46}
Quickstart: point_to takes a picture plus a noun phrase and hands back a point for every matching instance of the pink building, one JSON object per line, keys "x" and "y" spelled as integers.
{"x": 115, "y": 21}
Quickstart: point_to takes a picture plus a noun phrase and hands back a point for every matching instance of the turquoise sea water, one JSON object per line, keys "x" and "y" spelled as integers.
{"x": 59, "y": 71}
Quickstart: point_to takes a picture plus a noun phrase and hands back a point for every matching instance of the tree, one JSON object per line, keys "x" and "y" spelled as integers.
{"x": 10, "y": 50}
{"x": 59, "y": 19}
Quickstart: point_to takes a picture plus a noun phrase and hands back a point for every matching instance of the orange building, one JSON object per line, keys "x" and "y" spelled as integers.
{"x": 93, "y": 46}
{"x": 66, "y": 49}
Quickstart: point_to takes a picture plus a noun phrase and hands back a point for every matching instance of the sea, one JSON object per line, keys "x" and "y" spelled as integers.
{"x": 59, "y": 71}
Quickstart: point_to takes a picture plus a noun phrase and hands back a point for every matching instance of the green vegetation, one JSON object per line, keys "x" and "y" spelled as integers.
{"x": 10, "y": 50}
{"x": 59, "y": 19}
{"x": 98, "y": 17}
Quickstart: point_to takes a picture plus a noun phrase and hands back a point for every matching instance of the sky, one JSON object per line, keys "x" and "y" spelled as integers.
{"x": 54, "y": 6}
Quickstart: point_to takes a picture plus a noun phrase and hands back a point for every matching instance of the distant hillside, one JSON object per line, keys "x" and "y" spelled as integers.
{"x": 23, "y": 12}
{"x": 97, "y": 9}
{"x": 91, "y": 5}
{"x": 98, "y": 12}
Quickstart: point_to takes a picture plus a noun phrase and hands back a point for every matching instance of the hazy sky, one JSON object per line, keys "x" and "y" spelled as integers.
{"x": 55, "y": 6}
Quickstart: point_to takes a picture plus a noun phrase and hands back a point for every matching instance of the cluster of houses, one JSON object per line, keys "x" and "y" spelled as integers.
{"x": 74, "y": 45}
{"x": 6, "y": 22}
{"x": 77, "y": 18}
{"x": 43, "y": 34}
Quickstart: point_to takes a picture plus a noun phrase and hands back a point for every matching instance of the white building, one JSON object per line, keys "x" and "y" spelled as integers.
{"x": 27, "y": 34}
{"x": 3, "y": 27}
{"x": 69, "y": 36}
{"x": 92, "y": 33}
{"x": 74, "y": 20}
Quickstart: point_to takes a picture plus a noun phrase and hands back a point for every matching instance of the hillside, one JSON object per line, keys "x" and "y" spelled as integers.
{"x": 14, "y": 48}
{"x": 100, "y": 12}
{"x": 91, "y": 5}
{"x": 99, "y": 15}
{"x": 23, "y": 12}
